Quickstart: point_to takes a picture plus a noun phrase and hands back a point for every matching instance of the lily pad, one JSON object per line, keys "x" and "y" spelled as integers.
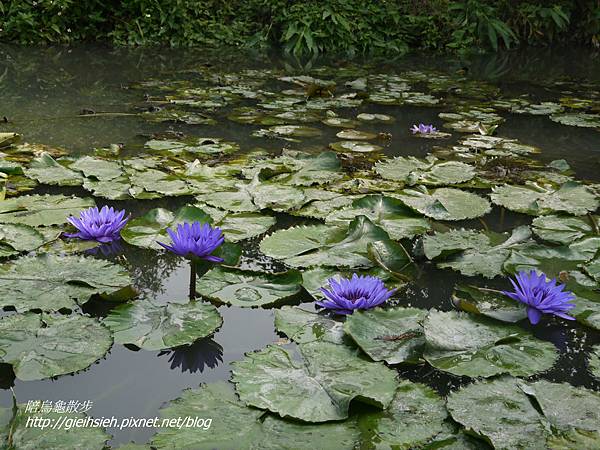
{"x": 355, "y": 146}
{"x": 594, "y": 361}
{"x": 577, "y": 119}
{"x": 322, "y": 245}
{"x": 563, "y": 229}
{"x": 147, "y": 230}
{"x": 475, "y": 346}
{"x": 153, "y": 326}
{"x": 501, "y": 413}
{"x": 236, "y": 426}
{"x": 304, "y": 326}
{"x": 46, "y": 170}
{"x": 38, "y": 210}
{"x": 411, "y": 171}
{"x": 445, "y": 203}
{"x": 571, "y": 197}
{"x": 245, "y": 288}
{"x": 99, "y": 169}
{"x": 23, "y": 436}
{"x": 17, "y": 238}
{"x": 44, "y": 346}
{"x": 393, "y": 335}
{"x": 317, "y": 388}
{"x": 50, "y": 282}
{"x": 375, "y": 118}
{"x": 356, "y": 135}
{"x": 416, "y": 416}
{"x": 201, "y": 145}
{"x": 390, "y": 214}
{"x": 488, "y": 302}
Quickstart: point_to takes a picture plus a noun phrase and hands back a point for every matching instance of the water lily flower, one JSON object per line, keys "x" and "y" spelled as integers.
{"x": 541, "y": 296}
{"x": 423, "y": 129}
{"x": 102, "y": 226}
{"x": 358, "y": 292}
{"x": 195, "y": 240}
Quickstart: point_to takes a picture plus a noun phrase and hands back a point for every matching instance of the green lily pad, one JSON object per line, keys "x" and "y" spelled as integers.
{"x": 236, "y": 426}
{"x": 594, "y": 361}
{"x": 239, "y": 226}
{"x": 411, "y": 171}
{"x": 38, "y": 210}
{"x": 50, "y": 282}
{"x": 201, "y": 145}
{"x": 563, "y": 229}
{"x": 392, "y": 335}
{"x": 375, "y": 118}
{"x": 355, "y": 146}
{"x": 317, "y": 388}
{"x": 304, "y": 326}
{"x": 475, "y": 346}
{"x": 17, "y": 238}
{"x": 416, "y": 416}
{"x": 453, "y": 241}
{"x": 488, "y": 258}
{"x": 579, "y": 439}
{"x": 277, "y": 197}
{"x": 46, "y": 170}
{"x": 445, "y": 203}
{"x": 43, "y": 346}
{"x": 246, "y": 288}
{"x": 356, "y": 135}
{"x": 156, "y": 327}
{"x": 287, "y": 131}
{"x": 390, "y": 214}
{"x": 488, "y": 302}
{"x": 99, "y": 169}
{"x": 232, "y": 200}
{"x": 147, "y": 230}
{"x": 571, "y": 197}
{"x": 340, "y": 122}
{"x": 23, "y": 436}
{"x": 577, "y": 119}
{"x": 499, "y": 412}
{"x": 309, "y": 246}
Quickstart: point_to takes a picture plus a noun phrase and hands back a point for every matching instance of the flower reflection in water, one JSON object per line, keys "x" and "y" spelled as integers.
{"x": 193, "y": 358}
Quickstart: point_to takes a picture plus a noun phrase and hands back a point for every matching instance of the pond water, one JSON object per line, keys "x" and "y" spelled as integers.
{"x": 86, "y": 99}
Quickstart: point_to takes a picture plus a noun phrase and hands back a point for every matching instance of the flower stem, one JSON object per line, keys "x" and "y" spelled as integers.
{"x": 192, "y": 280}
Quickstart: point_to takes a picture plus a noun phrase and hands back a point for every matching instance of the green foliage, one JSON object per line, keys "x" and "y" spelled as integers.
{"x": 350, "y": 27}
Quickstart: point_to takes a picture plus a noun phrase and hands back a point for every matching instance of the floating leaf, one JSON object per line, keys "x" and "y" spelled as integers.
{"x": 594, "y": 361}
{"x": 488, "y": 302}
{"x": 577, "y": 119}
{"x": 474, "y": 346}
{"x": 22, "y": 435}
{"x": 202, "y": 145}
{"x": 355, "y": 146}
{"x": 563, "y": 229}
{"x": 322, "y": 245}
{"x": 17, "y": 238}
{"x": 153, "y": 326}
{"x": 415, "y": 416}
{"x": 445, "y": 203}
{"x": 356, "y": 135}
{"x": 99, "y": 169}
{"x": 38, "y": 210}
{"x": 500, "y": 412}
{"x": 146, "y": 231}
{"x": 453, "y": 241}
{"x": 390, "y": 214}
{"x": 411, "y": 171}
{"x": 393, "y": 335}
{"x": 375, "y": 118}
{"x": 304, "y": 326}
{"x": 46, "y": 170}
{"x": 51, "y": 283}
{"x": 234, "y": 425}
{"x": 571, "y": 197}
{"x": 318, "y": 388}
{"x": 44, "y": 346}
{"x": 246, "y": 288}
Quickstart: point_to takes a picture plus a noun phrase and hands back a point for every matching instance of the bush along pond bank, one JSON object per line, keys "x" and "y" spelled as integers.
{"x": 428, "y": 285}
{"x": 348, "y": 27}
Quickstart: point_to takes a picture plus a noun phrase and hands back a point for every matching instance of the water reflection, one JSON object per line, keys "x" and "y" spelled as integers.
{"x": 108, "y": 250}
{"x": 194, "y": 358}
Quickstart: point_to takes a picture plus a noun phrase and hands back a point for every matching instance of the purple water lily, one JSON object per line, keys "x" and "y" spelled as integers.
{"x": 102, "y": 226}
{"x": 541, "y": 296}
{"x": 358, "y": 292}
{"x": 423, "y": 129}
{"x": 195, "y": 240}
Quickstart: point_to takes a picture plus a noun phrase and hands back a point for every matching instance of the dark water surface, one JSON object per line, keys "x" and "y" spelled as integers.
{"x": 43, "y": 91}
